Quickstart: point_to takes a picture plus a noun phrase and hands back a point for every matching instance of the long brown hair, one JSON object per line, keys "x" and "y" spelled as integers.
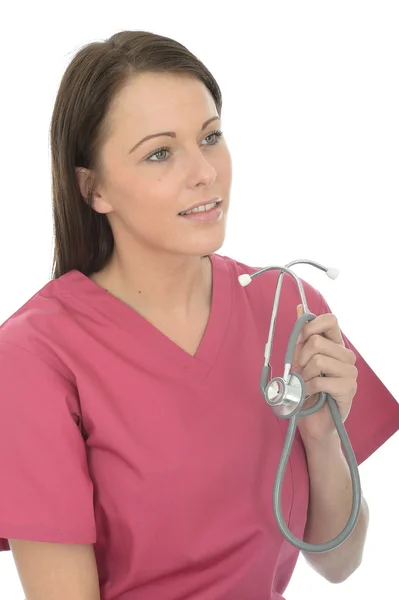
{"x": 83, "y": 238}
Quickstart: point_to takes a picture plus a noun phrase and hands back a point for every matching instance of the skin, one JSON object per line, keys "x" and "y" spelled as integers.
{"x": 157, "y": 261}
{"x": 50, "y": 571}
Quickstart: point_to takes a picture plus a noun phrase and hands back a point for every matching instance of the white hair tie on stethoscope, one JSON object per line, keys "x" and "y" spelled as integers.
{"x": 286, "y": 396}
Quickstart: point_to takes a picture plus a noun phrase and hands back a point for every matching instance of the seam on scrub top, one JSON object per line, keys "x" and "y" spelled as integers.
{"x": 41, "y": 359}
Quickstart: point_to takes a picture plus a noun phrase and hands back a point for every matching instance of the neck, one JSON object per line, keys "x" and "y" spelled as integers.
{"x": 177, "y": 285}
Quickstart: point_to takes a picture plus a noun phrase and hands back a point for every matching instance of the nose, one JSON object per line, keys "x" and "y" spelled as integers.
{"x": 200, "y": 170}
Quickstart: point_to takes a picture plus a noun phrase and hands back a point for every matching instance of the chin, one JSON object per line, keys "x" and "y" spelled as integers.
{"x": 205, "y": 247}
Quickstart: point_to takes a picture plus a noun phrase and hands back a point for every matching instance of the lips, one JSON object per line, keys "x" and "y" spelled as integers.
{"x": 204, "y": 203}
{"x": 204, "y": 216}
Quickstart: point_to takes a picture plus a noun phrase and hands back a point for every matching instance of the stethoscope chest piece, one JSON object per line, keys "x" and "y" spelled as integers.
{"x": 285, "y": 399}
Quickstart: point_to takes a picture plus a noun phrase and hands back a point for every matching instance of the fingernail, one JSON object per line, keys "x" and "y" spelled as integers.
{"x": 300, "y": 338}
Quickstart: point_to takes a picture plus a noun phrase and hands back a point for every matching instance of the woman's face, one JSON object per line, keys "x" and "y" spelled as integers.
{"x": 146, "y": 184}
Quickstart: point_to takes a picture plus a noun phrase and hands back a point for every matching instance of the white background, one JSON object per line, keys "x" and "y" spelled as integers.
{"x": 311, "y": 99}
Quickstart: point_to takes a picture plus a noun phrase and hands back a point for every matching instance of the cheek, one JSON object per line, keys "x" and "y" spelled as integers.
{"x": 224, "y": 168}
{"x": 149, "y": 203}
{"x": 149, "y": 193}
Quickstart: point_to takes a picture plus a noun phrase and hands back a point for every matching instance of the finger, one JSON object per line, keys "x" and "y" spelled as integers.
{"x": 326, "y": 325}
{"x": 330, "y": 367}
{"x": 319, "y": 345}
{"x": 321, "y": 325}
{"x": 335, "y": 386}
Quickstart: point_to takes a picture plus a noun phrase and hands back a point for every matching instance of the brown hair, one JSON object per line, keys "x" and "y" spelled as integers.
{"x": 83, "y": 237}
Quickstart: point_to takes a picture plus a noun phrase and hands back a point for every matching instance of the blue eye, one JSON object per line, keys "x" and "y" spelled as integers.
{"x": 215, "y": 134}
{"x": 218, "y": 134}
{"x": 156, "y": 153}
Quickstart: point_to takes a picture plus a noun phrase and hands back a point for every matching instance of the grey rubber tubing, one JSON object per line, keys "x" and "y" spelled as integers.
{"x": 347, "y": 447}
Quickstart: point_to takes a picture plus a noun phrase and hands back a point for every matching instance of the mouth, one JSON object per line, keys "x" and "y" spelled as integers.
{"x": 202, "y": 208}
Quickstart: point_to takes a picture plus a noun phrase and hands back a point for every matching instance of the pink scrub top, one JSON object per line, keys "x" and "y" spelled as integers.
{"x": 112, "y": 435}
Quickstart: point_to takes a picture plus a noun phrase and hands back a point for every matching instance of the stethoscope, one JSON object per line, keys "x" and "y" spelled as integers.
{"x": 286, "y": 396}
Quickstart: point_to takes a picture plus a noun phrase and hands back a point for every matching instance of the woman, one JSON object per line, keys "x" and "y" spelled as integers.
{"x": 138, "y": 454}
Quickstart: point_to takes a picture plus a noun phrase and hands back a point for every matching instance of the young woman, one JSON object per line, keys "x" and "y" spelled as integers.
{"x": 137, "y": 454}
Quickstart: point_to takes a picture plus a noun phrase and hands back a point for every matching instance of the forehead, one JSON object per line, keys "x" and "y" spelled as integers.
{"x": 162, "y": 99}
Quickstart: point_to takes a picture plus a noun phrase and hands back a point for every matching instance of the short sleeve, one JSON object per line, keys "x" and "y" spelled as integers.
{"x": 46, "y": 493}
{"x": 374, "y": 416}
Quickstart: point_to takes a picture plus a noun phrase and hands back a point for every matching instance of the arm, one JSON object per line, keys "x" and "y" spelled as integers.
{"x": 50, "y": 571}
{"x": 330, "y": 504}
{"x": 33, "y": 506}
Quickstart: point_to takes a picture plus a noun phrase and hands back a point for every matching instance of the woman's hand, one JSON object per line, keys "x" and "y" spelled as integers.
{"x": 316, "y": 355}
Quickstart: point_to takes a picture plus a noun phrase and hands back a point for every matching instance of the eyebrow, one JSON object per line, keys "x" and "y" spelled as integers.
{"x": 169, "y": 133}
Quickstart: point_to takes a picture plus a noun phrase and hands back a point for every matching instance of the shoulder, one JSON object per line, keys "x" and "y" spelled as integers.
{"x": 34, "y": 329}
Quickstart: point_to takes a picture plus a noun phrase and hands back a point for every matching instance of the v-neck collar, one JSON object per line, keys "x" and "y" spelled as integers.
{"x": 198, "y": 365}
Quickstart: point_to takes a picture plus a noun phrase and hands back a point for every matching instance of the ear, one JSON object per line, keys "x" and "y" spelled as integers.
{"x": 84, "y": 177}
